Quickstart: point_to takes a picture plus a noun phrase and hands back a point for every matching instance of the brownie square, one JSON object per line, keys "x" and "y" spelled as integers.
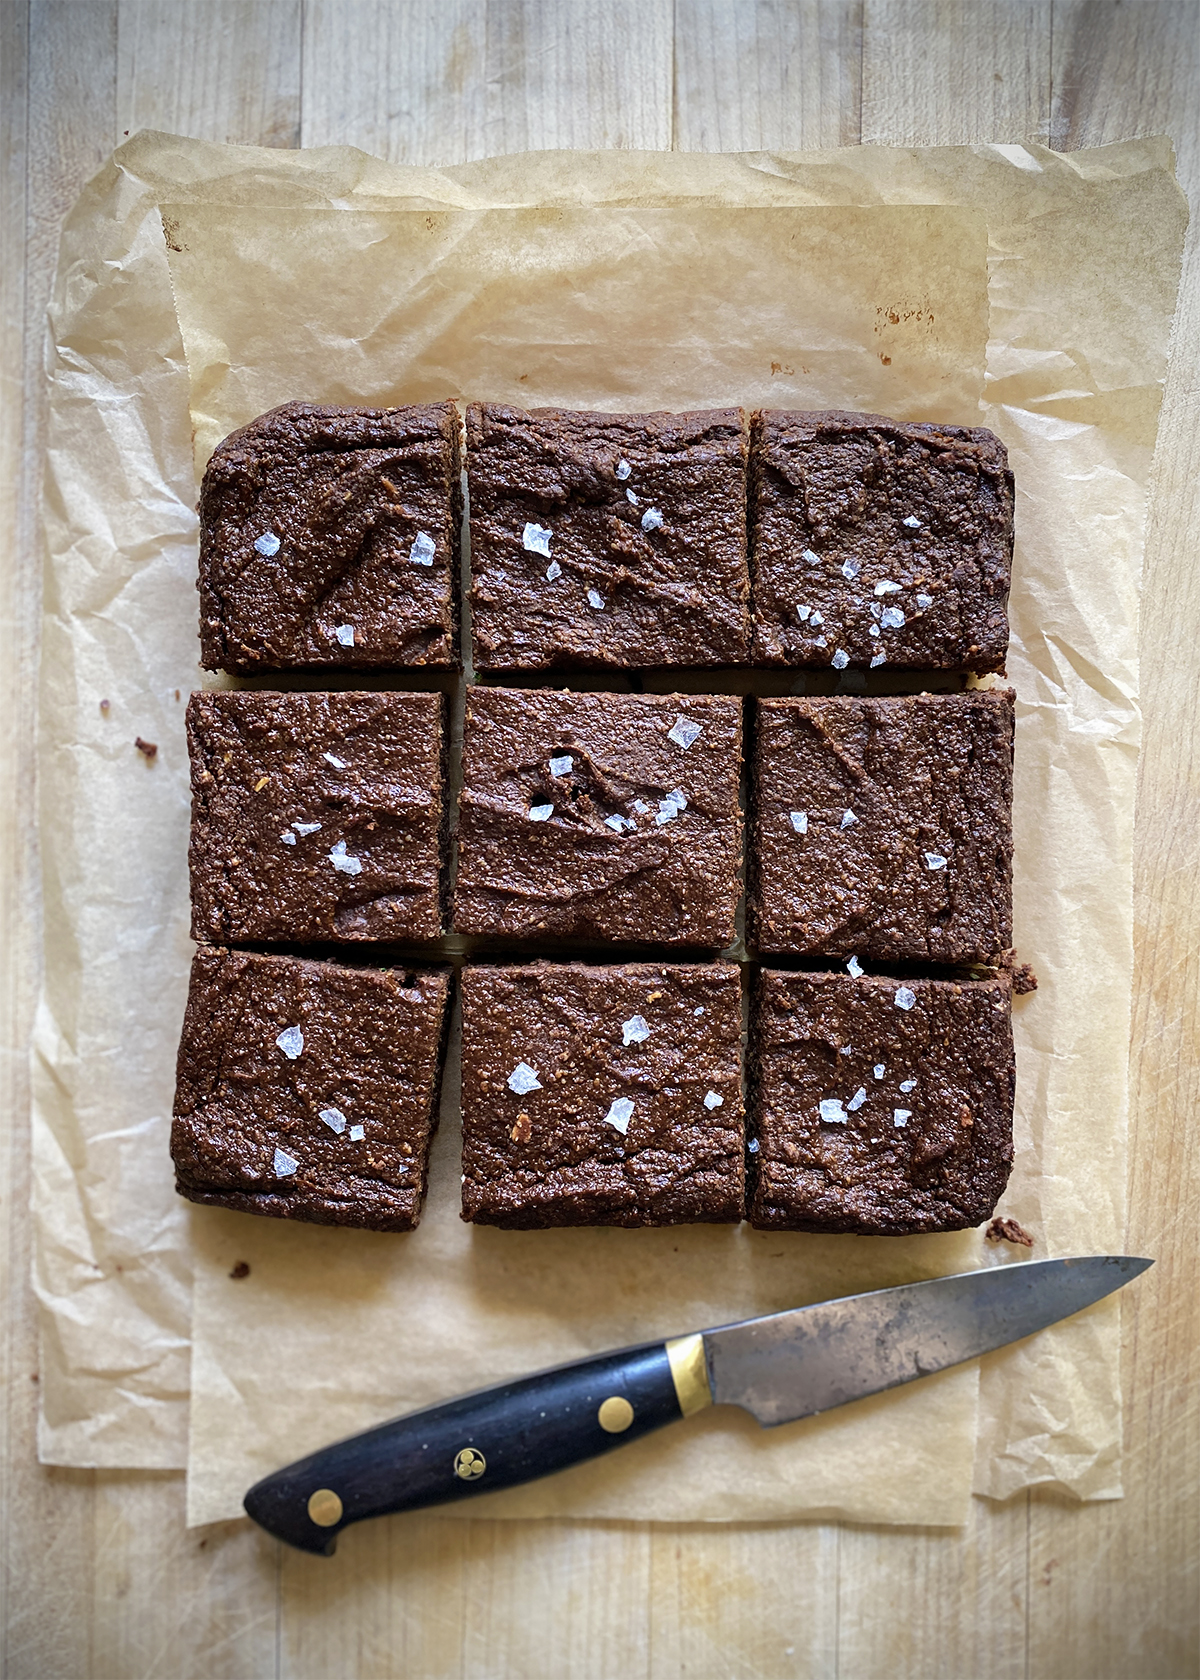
{"x": 329, "y": 536}
{"x": 879, "y": 1106}
{"x": 308, "y": 1090}
{"x": 607, "y": 539}
{"x": 877, "y": 542}
{"x": 316, "y": 816}
{"x": 883, "y": 828}
{"x": 600, "y": 816}
{"x": 602, "y": 1096}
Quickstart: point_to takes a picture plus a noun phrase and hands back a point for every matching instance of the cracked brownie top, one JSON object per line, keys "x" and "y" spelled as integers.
{"x": 316, "y": 816}
{"x": 329, "y": 537}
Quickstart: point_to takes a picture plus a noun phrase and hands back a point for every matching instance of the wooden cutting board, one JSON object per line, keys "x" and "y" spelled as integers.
{"x": 100, "y": 1577}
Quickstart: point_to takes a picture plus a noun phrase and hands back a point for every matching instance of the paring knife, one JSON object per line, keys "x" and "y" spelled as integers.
{"x": 786, "y": 1366}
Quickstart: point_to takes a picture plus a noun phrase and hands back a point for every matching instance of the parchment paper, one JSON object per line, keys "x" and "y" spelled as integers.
{"x": 626, "y": 307}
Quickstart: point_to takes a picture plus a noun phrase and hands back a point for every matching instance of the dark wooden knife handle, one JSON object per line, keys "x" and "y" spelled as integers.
{"x": 481, "y": 1442}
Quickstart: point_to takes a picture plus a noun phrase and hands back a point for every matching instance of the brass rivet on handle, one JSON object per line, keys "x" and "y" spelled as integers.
{"x": 469, "y": 1464}
{"x": 325, "y": 1508}
{"x": 615, "y": 1414}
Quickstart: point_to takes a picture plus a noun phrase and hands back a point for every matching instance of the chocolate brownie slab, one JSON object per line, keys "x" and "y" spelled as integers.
{"x": 879, "y": 1106}
{"x": 308, "y": 1090}
{"x": 316, "y": 816}
{"x": 879, "y": 543}
{"x": 599, "y": 816}
{"x": 329, "y": 537}
{"x": 602, "y": 1096}
{"x": 883, "y": 828}
{"x": 607, "y": 539}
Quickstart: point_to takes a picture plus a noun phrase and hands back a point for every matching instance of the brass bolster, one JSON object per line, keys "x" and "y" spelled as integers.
{"x": 690, "y": 1372}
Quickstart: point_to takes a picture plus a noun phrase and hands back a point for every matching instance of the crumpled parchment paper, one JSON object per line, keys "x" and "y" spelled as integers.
{"x": 1009, "y": 286}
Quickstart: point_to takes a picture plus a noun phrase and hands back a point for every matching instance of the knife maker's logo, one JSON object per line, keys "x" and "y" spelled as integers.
{"x": 470, "y": 1464}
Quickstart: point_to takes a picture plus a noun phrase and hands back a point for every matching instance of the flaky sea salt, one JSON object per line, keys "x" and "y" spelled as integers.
{"x": 652, "y": 519}
{"x": 854, "y": 968}
{"x": 667, "y": 811}
{"x": 267, "y": 544}
{"x": 885, "y": 586}
{"x": 832, "y": 1111}
{"x": 540, "y": 813}
{"x": 343, "y": 862}
{"x": 934, "y": 860}
{"x": 561, "y": 766}
{"x": 699, "y": 1010}
{"x": 623, "y": 469}
{"x": 907, "y": 1085}
{"x": 536, "y": 538}
{"x": 924, "y": 602}
{"x": 807, "y": 554}
{"x": 817, "y": 619}
{"x": 802, "y": 613}
{"x": 879, "y": 659}
{"x": 840, "y": 659}
{"x": 850, "y": 569}
{"x": 423, "y": 549}
{"x": 635, "y": 1030}
{"x": 641, "y": 805}
{"x": 553, "y": 571}
{"x": 752, "y": 1146}
{"x": 713, "y": 1099}
{"x": 848, "y": 819}
{"x": 288, "y": 838}
{"x": 631, "y": 498}
{"x": 904, "y": 998}
{"x": 333, "y": 1118}
{"x": 620, "y": 1114}
{"x": 308, "y": 828}
{"x": 872, "y": 629}
{"x": 523, "y": 1079}
{"x": 344, "y": 634}
{"x": 618, "y": 823}
{"x": 911, "y": 523}
{"x": 901, "y": 1116}
{"x": 799, "y": 821}
{"x": 595, "y": 599}
{"x": 356, "y": 1134}
{"x": 285, "y": 1164}
{"x": 291, "y": 1042}
{"x": 821, "y": 641}
{"x": 879, "y": 1070}
{"x": 891, "y": 618}
{"x": 683, "y": 732}
{"x": 858, "y": 1099}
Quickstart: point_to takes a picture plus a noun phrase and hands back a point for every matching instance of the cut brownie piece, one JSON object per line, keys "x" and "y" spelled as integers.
{"x": 607, "y": 539}
{"x": 308, "y": 1090}
{"x": 600, "y": 816}
{"x": 329, "y": 536}
{"x": 877, "y": 542}
{"x": 882, "y": 828}
{"x": 602, "y": 1096}
{"x": 879, "y": 1106}
{"x": 316, "y": 816}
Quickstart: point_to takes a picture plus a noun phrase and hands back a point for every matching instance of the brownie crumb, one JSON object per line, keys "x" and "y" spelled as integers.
{"x": 1007, "y": 1230}
{"x": 241, "y": 1270}
{"x": 105, "y": 704}
{"x": 148, "y": 748}
{"x": 1023, "y": 980}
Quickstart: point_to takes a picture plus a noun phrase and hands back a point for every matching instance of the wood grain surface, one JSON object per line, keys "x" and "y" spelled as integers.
{"x": 100, "y": 1578}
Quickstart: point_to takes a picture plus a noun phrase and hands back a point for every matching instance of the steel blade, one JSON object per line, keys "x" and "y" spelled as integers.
{"x": 795, "y": 1364}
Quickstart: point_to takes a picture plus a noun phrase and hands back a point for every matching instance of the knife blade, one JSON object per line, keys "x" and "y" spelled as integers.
{"x": 781, "y": 1367}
